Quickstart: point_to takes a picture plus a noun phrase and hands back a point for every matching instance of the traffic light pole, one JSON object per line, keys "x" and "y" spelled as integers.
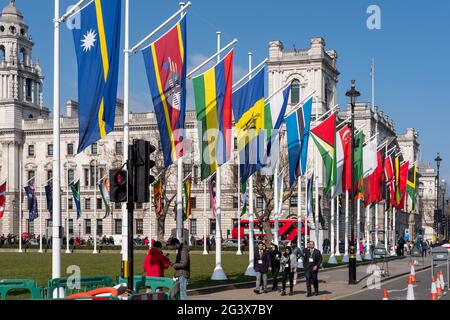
{"x": 129, "y": 265}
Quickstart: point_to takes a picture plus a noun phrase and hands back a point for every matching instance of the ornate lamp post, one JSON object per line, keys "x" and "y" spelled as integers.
{"x": 438, "y": 160}
{"x": 352, "y": 94}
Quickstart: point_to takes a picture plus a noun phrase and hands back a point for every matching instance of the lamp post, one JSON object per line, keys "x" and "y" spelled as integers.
{"x": 438, "y": 160}
{"x": 352, "y": 94}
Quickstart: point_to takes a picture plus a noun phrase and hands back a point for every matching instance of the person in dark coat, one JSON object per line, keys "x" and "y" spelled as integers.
{"x": 312, "y": 259}
{"x": 182, "y": 265}
{"x": 275, "y": 257}
{"x": 262, "y": 265}
{"x": 289, "y": 267}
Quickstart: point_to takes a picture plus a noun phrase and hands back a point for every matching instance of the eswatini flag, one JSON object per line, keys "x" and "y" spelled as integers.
{"x": 165, "y": 64}
{"x": 2, "y": 199}
{"x": 213, "y": 95}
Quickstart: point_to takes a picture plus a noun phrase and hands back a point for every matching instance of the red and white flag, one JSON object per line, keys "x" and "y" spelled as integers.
{"x": 2, "y": 199}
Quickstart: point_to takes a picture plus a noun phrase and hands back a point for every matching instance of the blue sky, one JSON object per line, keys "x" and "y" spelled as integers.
{"x": 410, "y": 50}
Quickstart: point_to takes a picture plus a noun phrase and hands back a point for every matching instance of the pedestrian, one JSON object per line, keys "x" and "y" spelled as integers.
{"x": 361, "y": 246}
{"x": 312, "y": 259}
{"x": 262, "y": 265}
{"x": 275, "y": 257}
{"x": 155, "y": 261}
{"x": 401, "y": 247}
{"x": 208, "y": 243}
{"x": 182, "y": 266}
{"x": 289, "y": 266}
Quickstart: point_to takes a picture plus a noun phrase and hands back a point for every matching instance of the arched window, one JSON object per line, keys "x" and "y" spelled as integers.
{"x": 2, "y": 53}
{"x": 295, "y": 91}
{"x": 22, "y": 56}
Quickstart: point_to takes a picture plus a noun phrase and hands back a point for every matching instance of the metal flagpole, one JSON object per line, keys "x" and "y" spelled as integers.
{"x": 67, "y": 211}
{"x": 332, "y": 259}
{"x": 393, "y": 253}
{"x": 367, "y": 255}
{"x": 316, "y": 168}
{"x": 345, "y": 259}
{"x": 20, "y": 204}
{"x": 306, "y": 211}
{"x": 338, "y": 252}
{"x": 358, "y": 230}
{"x": 219, "y": 273}
{"x": 275, "y": 205}
{"x": 150, "y": 234}
{"x": 40, "y": 213}
{"x": 251, "y": 245}
{"x": 205, "y": 252}
{"x": 239, "y": 252}
{"x": 95, "y": 207}
{"x": 299, "y": 212}
{"x": 56, "y": 219}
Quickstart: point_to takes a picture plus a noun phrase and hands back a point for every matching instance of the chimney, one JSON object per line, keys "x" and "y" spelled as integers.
{"x": 71, "y": 109}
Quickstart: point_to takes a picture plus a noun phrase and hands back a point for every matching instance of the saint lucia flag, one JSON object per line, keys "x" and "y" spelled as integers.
{"x": 97, "y": 45}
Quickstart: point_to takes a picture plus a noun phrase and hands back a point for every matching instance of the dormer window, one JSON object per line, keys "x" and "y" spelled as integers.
{"x": 12, "y": 29}
{"x": 22, "y": 32}
{"x": 2, "y": 28}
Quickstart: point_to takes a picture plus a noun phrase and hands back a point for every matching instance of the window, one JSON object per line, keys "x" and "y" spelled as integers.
{"x": 86, "y": 177}
{"x": 236, "y": 173}
{"x": 138, "y": 206}
{"x": 93, "y": 176}
{"x": 87, "y": 204}
{"x": 50, "y": 150}
{"x": 28, "y": 89}
{"x": 31, "y": 175}
{"x": 30, "y": 227}
{"x": 212, "y": 226}
{"x": 87, "y": 226}
{"x": 70, "y": 203}
{"x": 99, "y": 227}
{"x": 31, "y": 150}
{"x": 70, "y": 149}
{"x": 70, "y": 175}
{"x": 70, "y": 226}
{"x": 117, "y": 205}
{"x": 193, "y": 226}
{"x": 293, "y": 201}
{"x": 94, "y": 148}
{"x": 295, "y": 92}
{"x": 196, "y": 176}
{"x": 235, "y": 143}
{"x": 49, "y": 175}
{"x": 187, "y": 168}
{"x": 235, "y": 202}
{"x": 259, "y": 202}
{"x": 117, "y": 226}
{"x": 119, "y": 147}
{"x": 193, "y": 202}
{"x": 99, "y": 203}
{"x": 139, "y": 226}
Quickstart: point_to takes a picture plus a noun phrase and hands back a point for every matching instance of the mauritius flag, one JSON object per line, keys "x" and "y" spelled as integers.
{"x": 324, "y": 135}
{"x": 165, "y": 64}
{"x": 97, "y": 45}
{"x": 248, "y": 112}
{"x": 213, "y": 93}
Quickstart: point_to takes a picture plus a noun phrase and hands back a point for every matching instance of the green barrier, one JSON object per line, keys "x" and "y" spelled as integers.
{"x": 86, "y": 284}
{"x": 154, "y": 283}
{"x": 29, "y": 285}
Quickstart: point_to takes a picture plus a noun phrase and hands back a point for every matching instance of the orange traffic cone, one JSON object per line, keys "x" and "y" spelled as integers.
{"x": 385, "y": 295}
{"x": 441, "y": 280}
{"x": 434, "y": 295}
{"x": 413, "y": 273}
{"x": 438, "y": 286}
{"x": 410, "y": 294}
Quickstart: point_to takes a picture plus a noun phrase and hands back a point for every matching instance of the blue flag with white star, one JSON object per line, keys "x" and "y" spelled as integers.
{"x": 97, "y": 45}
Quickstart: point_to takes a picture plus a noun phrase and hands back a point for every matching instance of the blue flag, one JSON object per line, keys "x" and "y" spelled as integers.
{"x": 75, "y": 187}
{"x": 298, "y": 130}
{"x": 32, "y": 202}
{"x": 97, "y": 46}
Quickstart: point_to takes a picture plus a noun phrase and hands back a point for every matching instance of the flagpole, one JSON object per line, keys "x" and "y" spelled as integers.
{"x": 56, "y": 219}
{"x": 40, "y": 213}
{"x": 95, "y": 207}
{"x": 239, "y": 252}
{"x": 150, "y": 234}
{"x": 358, "y": 230}
{"x": 275, "y": 197}
{"x": 299, "y": 212}
{"x": 332, "y": 259}
{"x": 367, "y": 255}
{"x": 250, "y": 269}
{"x": 345, "y": 259}
{"x": 393, "y": 253}
{"x": 67, "y": 216}
{"x": 306, "y": 213}
{"x": 205, "y": 252}
{"x": 338, "y": 252}
{"x": 219, "y": 273}
{"x": 20, "y": 206}
{"x": 316, "y": 168}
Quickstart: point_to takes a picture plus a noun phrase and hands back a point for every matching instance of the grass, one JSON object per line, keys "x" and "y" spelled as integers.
{"x": 37, "y": 266}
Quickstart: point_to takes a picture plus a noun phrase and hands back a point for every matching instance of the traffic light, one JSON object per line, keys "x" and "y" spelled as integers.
{"x": 142, "y": 166}
{"x": 118, "y": 185}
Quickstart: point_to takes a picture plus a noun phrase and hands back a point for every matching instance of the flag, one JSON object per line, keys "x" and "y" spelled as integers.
{"x": 213, "y": 93}
{"x": 397, "y": 194}
{"x": 212, "y": 193}
{"x": 187, "y": 198}
{"x": 358, "y": 170}
{"x": 403, "y": 177}
{"x": 75, "y": 188}
{"x": 30, "y": 191}
{"x": 298, "y": 128}
{"x": 389, "y": 179}
{"x": 341, "y": 159}
{"x": 104, "y": 191}
{"x": 158, "y": 198}
{"x": 370, "y": 162}
{"x": 324, "y": 136}
{"x": 274, "y": 112}
{"x": 248, "y": 112}
{"x": 165, "y": 64}
{"x": 49, "y": 198}
{"x": 372, "y": 183}
{"x": 411, "y": 186}
{"x": 2, "y": 199}
{"x": 244, "y": 198}
{"x": 97, "y": 46}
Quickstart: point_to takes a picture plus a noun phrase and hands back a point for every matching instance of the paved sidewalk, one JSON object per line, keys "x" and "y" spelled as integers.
{"x": 333, "y": 284}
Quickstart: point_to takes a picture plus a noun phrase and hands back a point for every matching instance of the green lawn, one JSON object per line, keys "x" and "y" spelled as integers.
{"x": 37, "y": 266}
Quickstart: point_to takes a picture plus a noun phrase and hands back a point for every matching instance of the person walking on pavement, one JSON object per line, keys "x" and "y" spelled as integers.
{"x": 289, "y": 266}
{"x": 262, "y": 265}
{"x": 401, "y": 247}
{"x": 182, "y": 266}
{"x": 312, "y": 259}
{"x": 275, "y": 257}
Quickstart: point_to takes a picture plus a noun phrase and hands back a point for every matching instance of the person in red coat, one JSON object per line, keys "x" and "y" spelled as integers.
{"x": 155, "y": 262}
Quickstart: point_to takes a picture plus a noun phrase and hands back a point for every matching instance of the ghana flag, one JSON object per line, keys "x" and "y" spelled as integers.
{"x": 213, "y": 93}
{"x": 165, "y": 64}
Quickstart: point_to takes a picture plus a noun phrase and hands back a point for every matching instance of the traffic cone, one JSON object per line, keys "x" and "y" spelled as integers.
{"x": 413, "y": 273}
{"x": 410, "y": 294}
{"x": 441, "y": 280}
{"x": 433, "y": 295}
{"x": 385, "y": 295}
{"x": 438, "y": 286}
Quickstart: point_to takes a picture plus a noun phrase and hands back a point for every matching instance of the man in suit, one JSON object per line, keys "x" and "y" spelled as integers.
{"x": 262, "y": 264}
{"x": 312, "y": 259}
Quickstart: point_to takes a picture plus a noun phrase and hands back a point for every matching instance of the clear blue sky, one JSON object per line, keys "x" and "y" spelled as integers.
{"x": 410, "y": 51}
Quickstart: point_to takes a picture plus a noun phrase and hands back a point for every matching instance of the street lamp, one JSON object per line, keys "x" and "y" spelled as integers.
{"x": 352, "y": 94}
{"x": 438, "y": 160}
